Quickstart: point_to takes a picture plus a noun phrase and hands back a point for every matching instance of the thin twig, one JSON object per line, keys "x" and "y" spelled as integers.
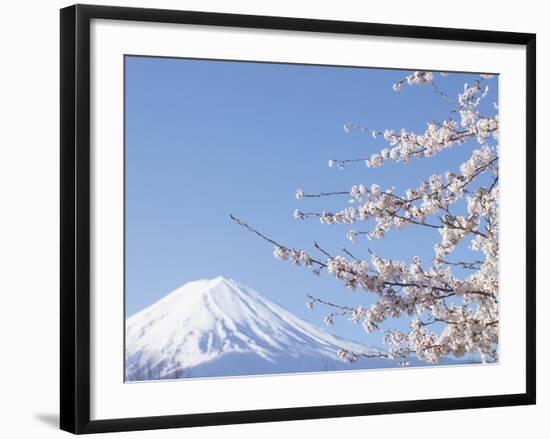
{"x": 324, "y": 302}
{"x": 318, "y": 247}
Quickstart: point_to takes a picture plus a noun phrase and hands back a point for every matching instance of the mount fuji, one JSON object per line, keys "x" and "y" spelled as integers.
{"x": 218, "y": 327}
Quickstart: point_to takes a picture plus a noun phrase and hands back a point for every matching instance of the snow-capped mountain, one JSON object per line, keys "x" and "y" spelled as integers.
{"x": 219, "y": 327}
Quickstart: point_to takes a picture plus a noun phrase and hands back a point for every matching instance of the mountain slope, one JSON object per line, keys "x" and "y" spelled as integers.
{"x": 219, "y": 327}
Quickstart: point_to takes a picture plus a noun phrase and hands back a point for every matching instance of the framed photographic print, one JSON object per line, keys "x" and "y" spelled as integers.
{"x": 268, "y": 218}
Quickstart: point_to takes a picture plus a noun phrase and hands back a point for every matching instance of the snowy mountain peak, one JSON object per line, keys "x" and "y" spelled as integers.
{"x": 219, "y": 327}
{"x": 220, "y": 299}
{"x": 217, "y": 287}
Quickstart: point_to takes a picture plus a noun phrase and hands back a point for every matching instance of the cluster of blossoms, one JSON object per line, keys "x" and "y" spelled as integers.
{"x": 404, "y": 145}
{"x": 471, "y": 326}
{"x": 346, "y": 216}
{"x": 417, "y": 78}
{"x": 297, "y": 257}
{"x": 409, "y": 290}
{"x": 449, "y": 314}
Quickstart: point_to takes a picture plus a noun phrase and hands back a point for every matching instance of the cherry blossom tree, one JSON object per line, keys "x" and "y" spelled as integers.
{"x": 452, "y": 304}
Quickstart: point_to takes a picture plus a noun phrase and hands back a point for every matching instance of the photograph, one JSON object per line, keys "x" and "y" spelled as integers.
{"x": 296, "y": 218}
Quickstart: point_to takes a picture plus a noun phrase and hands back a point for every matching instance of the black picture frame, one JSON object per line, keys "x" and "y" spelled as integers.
{"x": 75, "y": 217}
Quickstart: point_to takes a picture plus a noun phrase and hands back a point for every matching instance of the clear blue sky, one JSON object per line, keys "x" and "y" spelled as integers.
{"x": 208, "y": 138}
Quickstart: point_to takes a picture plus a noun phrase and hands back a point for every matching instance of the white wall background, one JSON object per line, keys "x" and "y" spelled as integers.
{"x": 29, "y": 206}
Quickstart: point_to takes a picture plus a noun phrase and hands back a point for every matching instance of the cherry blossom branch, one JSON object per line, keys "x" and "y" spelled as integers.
{"x": 271, "y": 241}
{"x": 375, "y": 160}
{"x": 468, "y": 322}
{"x": 261, "y": 235}
{"x": 351, "y": 271}
{"x": 300, "y": 193}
